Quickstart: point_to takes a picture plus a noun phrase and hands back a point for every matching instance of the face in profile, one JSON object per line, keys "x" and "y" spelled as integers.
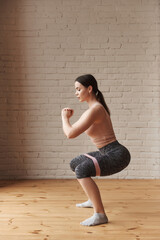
{"x": 82, "y": 93}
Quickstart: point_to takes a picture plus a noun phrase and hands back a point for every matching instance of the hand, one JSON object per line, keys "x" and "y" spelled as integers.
{"x": 67, "y": 112}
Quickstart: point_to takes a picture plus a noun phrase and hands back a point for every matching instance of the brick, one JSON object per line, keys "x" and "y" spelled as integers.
{"x": 44, "y": 48}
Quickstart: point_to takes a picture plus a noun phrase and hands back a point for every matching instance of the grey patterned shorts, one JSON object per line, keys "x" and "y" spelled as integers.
{"x": 109, "y": 160}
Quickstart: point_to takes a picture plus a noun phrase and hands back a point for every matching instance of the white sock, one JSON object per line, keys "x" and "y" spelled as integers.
{"x": 87, "y": 204}
{"x": 96, "y": 219}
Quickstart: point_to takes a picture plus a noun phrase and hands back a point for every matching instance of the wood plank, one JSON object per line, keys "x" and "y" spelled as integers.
{"x": 45, "y": 210}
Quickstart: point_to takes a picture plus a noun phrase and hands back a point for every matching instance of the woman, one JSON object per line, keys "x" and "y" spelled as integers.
{"x": 111, "y": 156}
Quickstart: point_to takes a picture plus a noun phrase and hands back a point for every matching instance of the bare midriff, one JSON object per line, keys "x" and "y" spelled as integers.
{"x": 103, "y": 141}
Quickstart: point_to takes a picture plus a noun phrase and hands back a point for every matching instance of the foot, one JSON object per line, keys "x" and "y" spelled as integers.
{"x": 96, "y": 219}
{"x": 87, "y": 204}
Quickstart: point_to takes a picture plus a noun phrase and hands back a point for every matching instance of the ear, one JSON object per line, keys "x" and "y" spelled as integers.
{"x": 90, "y": 88}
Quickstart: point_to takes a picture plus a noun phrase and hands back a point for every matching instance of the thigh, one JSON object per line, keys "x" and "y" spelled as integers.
{"x": 85, "y": 162}
{"x": 114, "y": 161}
{"x": 103, "y": 162}
{"x": 81, "y": 158}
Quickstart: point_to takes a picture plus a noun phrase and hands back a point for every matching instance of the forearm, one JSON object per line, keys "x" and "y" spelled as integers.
{"x": 67, "y": 127}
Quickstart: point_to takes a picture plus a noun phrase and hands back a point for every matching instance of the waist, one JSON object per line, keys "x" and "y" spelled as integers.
{"x": 109, "y": 146}
{"x": 103, "y": 141}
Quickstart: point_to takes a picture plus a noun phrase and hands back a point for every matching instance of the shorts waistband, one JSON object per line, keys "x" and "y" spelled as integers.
{"x": 109, "y": 146}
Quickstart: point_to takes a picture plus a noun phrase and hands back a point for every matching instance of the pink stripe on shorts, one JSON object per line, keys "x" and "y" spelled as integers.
{"x": 98, "y": 171}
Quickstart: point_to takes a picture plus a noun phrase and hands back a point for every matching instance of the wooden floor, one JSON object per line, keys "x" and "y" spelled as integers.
{"x": 45, "y": 210}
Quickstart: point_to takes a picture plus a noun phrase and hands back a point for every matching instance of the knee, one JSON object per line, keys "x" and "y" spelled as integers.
{"x": 82, "y": 172}
{"x": 73, "y": 165}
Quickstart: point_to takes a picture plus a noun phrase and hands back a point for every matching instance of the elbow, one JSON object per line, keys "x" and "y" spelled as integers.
{"x": 69, "y": 137}
{"x": 71, "y": 134}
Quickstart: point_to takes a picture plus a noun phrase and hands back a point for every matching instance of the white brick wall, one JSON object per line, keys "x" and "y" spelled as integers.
{"x": 44, "y": 46}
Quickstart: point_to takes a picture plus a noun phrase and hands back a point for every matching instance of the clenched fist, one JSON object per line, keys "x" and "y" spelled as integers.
{"x": 67, "y": 112}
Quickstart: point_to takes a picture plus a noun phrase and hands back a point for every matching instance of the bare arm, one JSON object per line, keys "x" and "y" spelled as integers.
{"x": 84, "y": 122}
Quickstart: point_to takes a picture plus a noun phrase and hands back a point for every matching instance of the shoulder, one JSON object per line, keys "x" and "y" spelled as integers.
{"x": 99, "y": 112}
{"x": 96, "y": 111}
{"x": 98, "y": 108}
{"x": 92, "y": 111}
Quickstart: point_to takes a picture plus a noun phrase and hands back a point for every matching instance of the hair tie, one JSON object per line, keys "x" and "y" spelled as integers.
{"x": 97, "y": 92}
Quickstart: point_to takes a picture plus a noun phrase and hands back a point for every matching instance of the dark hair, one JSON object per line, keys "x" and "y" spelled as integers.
{"x": 88, "y": 80}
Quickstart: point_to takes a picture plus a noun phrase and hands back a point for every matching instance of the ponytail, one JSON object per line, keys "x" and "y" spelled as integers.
{"x": 100, "y": 98}
{"x": 88, "y": 80}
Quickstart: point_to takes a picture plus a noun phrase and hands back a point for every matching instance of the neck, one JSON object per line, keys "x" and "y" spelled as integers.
{"x": 92, "y": 100}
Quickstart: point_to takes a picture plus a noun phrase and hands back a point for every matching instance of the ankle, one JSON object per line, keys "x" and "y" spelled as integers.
{"x": 100, "y": 211}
